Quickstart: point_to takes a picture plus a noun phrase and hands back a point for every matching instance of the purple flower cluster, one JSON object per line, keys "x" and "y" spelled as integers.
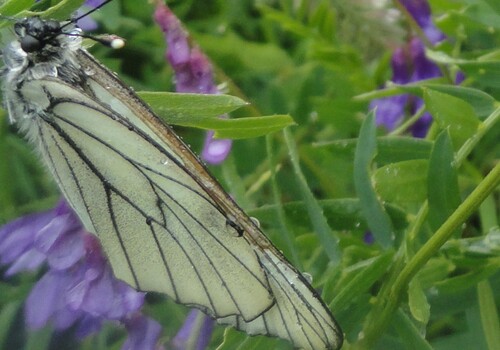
{"x": 193, "y": 73}
{"x": 197, "y": 329}
{"x": 409, "y": 64}
{"x": 79, "y": 289}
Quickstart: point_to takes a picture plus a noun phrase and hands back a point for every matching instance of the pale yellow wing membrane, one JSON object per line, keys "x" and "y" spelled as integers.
{"x": 159, "y": 228}
{"x": 298, "y": 313}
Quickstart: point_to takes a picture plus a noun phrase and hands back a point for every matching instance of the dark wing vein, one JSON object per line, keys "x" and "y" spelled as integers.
{"x": 143, "y": 135}
{"x": 136, "y": 164}
{"x": 74, "y": 177}
{"x": 109, "y": 189}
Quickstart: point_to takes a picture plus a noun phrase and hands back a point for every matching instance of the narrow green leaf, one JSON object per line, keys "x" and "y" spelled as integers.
{"x": 484, "y": 247}
{"x": 378, "y": 220}
{"x": 419, "y": 307}
{"x": 342, "y": 214}
{"x": 453, "y": 113}
{"x": 247, "y": 127}
{"x": 60, "y": 11}
{"x": 325, "y": 234}
{"x": 408, "y": 333}
{"x": 390, "y": 149}
{"x": 485, "y": 72}
{"x": 482, "y": 103}
{"x": 8, "y": 314}
{"x": 235, "y": 340}
{"x": 13, "y": 7}
{"x": 482, "y": 13}
{"x": 442, "y": 182}
{"x": 489, "y": 314}
{"x": 285, "y": 21}
{"x": 39, "y": 339}
{"x": 358, "y": 281}
{"x": 495, "y": 5}
{"x": 175, "y": 108}
{"x": 402, "y": 182}
{"x": 203, "y": 111}
{"x": 467, "y": 280}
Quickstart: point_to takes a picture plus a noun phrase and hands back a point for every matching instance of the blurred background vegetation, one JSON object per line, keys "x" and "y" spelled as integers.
{"x": 322, "y": 62}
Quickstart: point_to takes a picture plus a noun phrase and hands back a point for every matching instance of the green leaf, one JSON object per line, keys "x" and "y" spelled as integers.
{"x": 467, "y": 280}
{"x": 286, "y": 22}
{"x": 482, "y": 103}
{"x": 485, "y": 72}
{"x": 442, "y": 186}
{"x": 378, "y": 220}
{"x": 489, "y": 314}
{"x": 328, "y": 239}
{"x": 390, "y": 149}
{"x": 176, "y": 108}
{"x": 357, "y": 281}
{"x": 402, "y": 182}
{"x": 408, "y": 333}
{"x": 235, "y": 340}
{"x": 39, "y": 339}
{"x": 8, "y": 315}
{"x": 61, "y": 11}
{"x": 247, "y": 127}
{"x": 14, "y": 7}
{"x": 419, "y": 307}
{"x": 495, "y": 5}
{"x": 203, "y": 111}
{"x": 341, "y": 214}
{"x": 487, "y": 246}
{"x": 453, "y": 113}
{"x": 483, "y": 14}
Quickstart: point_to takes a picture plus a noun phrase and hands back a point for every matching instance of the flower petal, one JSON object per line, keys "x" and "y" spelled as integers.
{"x": 143, "y": 333}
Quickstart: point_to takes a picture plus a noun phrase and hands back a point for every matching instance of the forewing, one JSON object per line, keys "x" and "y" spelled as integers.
{"x": 159, "y": 228}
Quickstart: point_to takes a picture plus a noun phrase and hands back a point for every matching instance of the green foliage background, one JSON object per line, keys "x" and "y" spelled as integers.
{"x": 432, "y": 278}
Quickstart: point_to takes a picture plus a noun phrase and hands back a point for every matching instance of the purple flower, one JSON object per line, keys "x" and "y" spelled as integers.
{"x": 197, "y": 329}
{"x": 421, "y": 13}
{"x": 390, "y": 109}
{"x": 143, "y": 333}
{"x": 17, "y": 247}
{"x": 409, "y": 64}
{"x": 193, "y": 73}
{"x": 87, "y": 23}
{"x": 79, "y": 289}
{"x": 368, "y": 238}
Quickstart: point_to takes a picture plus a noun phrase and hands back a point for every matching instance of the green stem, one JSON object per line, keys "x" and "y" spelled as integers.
{"x": 401, "y": 273}
{"x": 388, "y": 304}
{"x": 408, "y": 123}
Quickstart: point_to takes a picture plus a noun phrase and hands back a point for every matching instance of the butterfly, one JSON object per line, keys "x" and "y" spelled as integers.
{"x": 165, "y": 224}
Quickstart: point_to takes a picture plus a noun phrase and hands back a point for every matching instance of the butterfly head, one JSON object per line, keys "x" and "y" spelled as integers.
{"x": 34, "y": 33}
{"x": 41, "y": 38}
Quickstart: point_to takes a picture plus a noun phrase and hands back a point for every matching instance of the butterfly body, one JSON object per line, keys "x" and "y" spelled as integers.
{"x": 165, "y": 223}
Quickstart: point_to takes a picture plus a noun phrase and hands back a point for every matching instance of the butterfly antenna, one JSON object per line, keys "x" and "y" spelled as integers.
{"x": 76, "y": 19}
{"x": 112, "y": 41}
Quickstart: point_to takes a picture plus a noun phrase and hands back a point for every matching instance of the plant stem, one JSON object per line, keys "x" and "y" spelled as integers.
{"x": 388, "y": 303}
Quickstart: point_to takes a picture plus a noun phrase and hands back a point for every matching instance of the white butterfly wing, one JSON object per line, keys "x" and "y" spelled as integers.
{"x": 298, "y": 314}
{"x": 165, "y": 224}
{"x": 159, "y": 228}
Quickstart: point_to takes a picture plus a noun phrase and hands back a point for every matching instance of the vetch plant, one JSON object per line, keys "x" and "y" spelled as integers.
{"x": 394, "y": 213}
